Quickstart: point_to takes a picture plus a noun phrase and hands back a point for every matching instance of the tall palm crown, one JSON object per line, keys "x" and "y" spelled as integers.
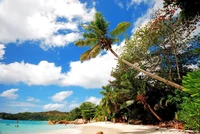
{"x": 96, "y": 35}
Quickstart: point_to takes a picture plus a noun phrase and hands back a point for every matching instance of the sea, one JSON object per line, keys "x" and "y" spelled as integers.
{"x": 28, "y": 127}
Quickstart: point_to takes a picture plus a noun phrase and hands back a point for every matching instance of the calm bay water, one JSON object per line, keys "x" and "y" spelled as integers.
{"x": 28, "y": 127}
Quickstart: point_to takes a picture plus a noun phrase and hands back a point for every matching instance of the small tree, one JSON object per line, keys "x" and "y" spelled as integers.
{"x": 87, "y": 110}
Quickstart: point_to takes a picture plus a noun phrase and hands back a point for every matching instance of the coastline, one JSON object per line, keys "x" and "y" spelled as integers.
{"x": 114, "y": 128}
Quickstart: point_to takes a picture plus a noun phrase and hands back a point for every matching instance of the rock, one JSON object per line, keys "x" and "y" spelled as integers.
{"x": 79, "y": 121}
{"x": 100, "y": 132}
{"x": 51, "y": 122}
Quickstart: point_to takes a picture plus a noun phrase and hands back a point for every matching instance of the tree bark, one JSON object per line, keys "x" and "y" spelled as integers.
{"x": 170, "y": 67}
{"x": 153, "y": 112}
{"x": 148, "y": 73}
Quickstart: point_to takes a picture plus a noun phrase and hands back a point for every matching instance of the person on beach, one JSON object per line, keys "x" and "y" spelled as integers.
{"x": 113, "y": 120}
{"x": 106, "y": 118}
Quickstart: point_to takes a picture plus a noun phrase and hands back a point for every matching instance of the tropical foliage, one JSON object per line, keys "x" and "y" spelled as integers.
{"x": 190, "y": 108}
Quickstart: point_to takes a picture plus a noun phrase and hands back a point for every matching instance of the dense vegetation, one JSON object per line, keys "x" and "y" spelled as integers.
{"x": 166, "y": 47}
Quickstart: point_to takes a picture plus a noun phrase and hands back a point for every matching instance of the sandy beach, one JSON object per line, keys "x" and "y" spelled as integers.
{"x": 117, "y": 128}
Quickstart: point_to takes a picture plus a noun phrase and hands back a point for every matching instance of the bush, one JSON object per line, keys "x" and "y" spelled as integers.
{"x": 190, "y": 108}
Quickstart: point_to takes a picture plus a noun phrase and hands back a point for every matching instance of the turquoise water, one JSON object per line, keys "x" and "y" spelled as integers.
{"x": 27, "y": 127}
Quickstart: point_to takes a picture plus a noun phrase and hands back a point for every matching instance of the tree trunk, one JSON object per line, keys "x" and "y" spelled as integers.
{"x": 177, "y": 67}
{"x": 170, "y": 67}
{"x": 148, "y": 73}
{"x": 153, "y": 112}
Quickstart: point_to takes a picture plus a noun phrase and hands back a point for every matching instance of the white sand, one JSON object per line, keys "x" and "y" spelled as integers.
{"x": 111, "y": 128}
{"x": 118, "y": 128}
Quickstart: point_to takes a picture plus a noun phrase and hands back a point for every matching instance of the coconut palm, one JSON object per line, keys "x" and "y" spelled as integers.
{"x": 97, "y": 37}
{"x": 108, "y": 100}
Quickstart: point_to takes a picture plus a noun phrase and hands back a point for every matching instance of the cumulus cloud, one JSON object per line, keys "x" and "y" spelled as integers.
{"x": 93, "y": 100}
{"x": 89, "y": 74}
{"x": 44, "y": 73}
{"x": 2, "y": 51}
{"x": 55, "y": 106}
{"x": 73, "y": 105}
{"x": 58, "y": 97}
{"x": 32, "y": 99}
{"x": 39, "y": 20}
{"x": 10, "y": 94}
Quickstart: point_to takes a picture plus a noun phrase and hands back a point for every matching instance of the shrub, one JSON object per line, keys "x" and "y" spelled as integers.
{"x": 190, "y": 108}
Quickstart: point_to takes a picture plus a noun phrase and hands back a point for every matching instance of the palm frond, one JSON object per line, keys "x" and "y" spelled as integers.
{"x": 87, "y": 42}
{"x": 79, "y": 43}
{"x": 89, "y": 35}
{"x": 101, "y": 23}
{"x": 92, "y": 28}
{"x": 115, "y": 40}
{"x": 121, "y": 28}
{"x": 91, "y": 41}
{"x": 91, "y": 53}
{"x": 95, "y": 51}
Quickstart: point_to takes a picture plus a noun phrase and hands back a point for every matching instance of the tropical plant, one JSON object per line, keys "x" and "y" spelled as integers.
{"x": 96, "y": 35}
{"x": 190, "y": 108}
{"x": 87, "y": 110}
{"x": 108, "y": 100}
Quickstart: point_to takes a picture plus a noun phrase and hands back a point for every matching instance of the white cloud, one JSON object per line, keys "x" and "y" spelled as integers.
{"x": 22, "y": 104}
{"x": 93, "y": 100}
{"x": 135, "y": 2}
{"x": 58, "y": 97}
{"x": 10, "y": 94}
{"x": 55, "y": 106}
{"x": 73, "y": 105}
{"x": 2, "y": 51}
{"x": 44, "y": 73}
{"x": 119, "y": 3}
{"x": 37, "y": 20}
{"x": 129, "y": 3}
{"x": 94, "y": 73}
{"x": 91, "y": 74}
{"x": 146, "y": 17}
{"x": 32, "y": 99}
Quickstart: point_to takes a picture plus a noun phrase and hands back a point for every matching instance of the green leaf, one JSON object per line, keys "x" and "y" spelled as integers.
{"x": 121, "y": 28}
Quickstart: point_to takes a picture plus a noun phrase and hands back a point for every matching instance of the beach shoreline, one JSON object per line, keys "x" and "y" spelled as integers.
{"x": 115, "y": 128}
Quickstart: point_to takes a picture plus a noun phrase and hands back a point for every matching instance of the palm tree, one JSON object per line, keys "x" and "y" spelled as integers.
{"x": 97, "y": 37}
{"x": 108, "y": 100}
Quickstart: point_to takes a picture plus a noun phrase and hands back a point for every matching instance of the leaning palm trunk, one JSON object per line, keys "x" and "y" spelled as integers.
{"x": 141, "y": 99}
{"x": 153, "y": 112}
{"x": 147, "y": 73}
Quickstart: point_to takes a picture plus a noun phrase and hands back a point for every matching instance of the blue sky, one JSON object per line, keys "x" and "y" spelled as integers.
{"x": 39, "y": 64}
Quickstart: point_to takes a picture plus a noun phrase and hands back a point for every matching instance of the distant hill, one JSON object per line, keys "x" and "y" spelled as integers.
{"x": 42, "y": 116}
